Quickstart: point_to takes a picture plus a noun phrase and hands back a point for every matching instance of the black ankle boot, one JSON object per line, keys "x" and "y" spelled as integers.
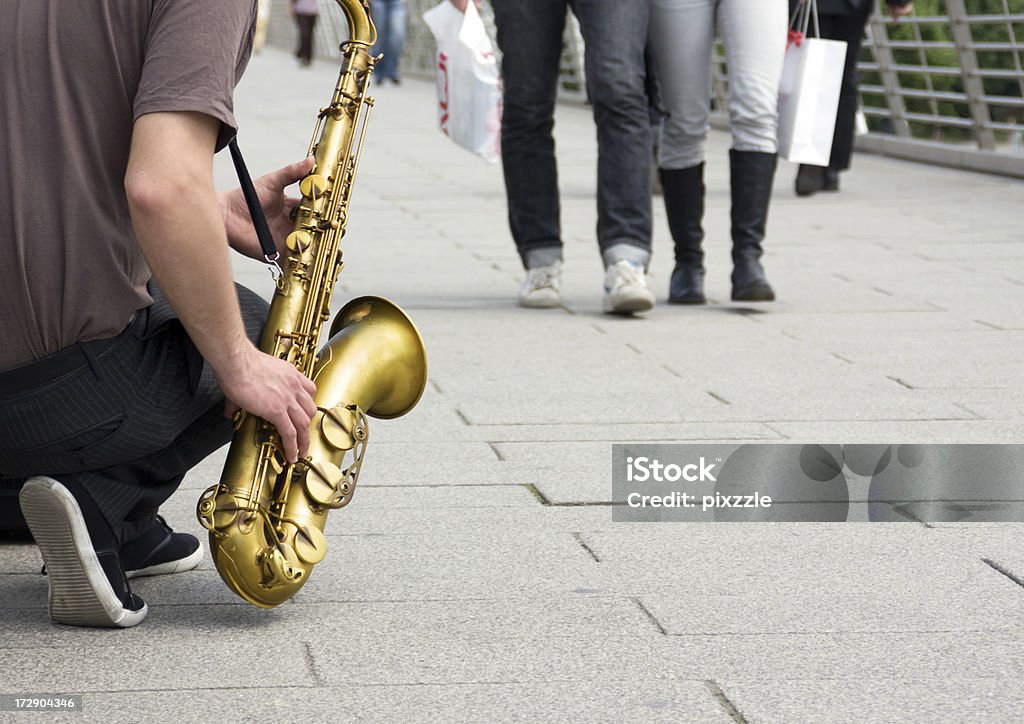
{"x": 683, "y": 190}
{"x": 751, "y": 175}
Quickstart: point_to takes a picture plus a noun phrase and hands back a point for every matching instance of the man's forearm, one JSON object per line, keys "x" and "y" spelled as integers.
{"x": 184, "y": 241}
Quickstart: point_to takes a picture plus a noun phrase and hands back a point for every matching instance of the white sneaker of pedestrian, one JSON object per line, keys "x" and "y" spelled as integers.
{"x": 625, "y": 289}
{"x": 542, "y": 288}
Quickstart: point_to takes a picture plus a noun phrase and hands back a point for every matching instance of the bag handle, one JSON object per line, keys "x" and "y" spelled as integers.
{"x": 800, "y": 21}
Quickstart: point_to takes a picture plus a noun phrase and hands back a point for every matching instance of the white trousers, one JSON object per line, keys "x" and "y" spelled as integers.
{"x": 682, "y": 34}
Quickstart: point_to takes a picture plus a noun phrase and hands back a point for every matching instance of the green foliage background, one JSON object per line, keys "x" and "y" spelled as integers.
{"x": 1002, "y": 32}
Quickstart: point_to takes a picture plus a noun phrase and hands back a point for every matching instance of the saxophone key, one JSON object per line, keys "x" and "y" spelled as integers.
{"x": 323, "y": 483}
{"x": 310, "y": 544}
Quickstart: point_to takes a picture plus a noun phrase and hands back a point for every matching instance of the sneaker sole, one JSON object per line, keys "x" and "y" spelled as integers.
{"x": 80, "y": 594}
{"x": 540, "y": 303}
{"x": 179, "y": 566}
{"x": 629, "y": 305}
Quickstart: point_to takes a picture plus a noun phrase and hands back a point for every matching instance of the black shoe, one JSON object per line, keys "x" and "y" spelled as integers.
{"x": 812, "y": 179}
{"x": 683, "y": 190}
{"x": 749, "y": 283}
{"x": 160, "y": 550}
{"x": 87, "y": 584}
{"x": 751, "y": 175}
{"x": 830, "y": 180}
{"x": 809, "y": 180}
{"x": 687, "y": 285}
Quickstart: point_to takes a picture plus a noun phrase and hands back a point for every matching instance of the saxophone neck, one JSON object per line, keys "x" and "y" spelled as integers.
{"x": 360, "y": 24}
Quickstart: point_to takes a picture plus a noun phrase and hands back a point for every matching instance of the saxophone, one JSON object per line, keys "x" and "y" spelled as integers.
{"x": 266, "y": 517}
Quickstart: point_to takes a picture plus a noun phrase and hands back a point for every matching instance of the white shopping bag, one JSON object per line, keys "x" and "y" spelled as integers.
{"x": 468, "y": 82}
{"x": 809, "y": 94}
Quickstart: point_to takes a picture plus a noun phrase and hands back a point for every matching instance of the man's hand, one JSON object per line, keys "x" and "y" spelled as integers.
{"x": 276, "y": 206}
{"x": 895, "y": 11}
{"x": 273, "y": 389}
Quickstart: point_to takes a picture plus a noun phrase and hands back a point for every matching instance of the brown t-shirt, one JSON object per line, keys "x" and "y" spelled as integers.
{"x": 74, "y": 76}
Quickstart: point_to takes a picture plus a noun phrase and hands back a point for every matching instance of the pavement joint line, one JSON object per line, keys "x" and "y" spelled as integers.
{"x": 996, "y": 567}
{"x": 777, "y": 432}
{"x": 584, "y": 546}
{"x": 497, "y": 453}
{"x": 650, "y": 616}
{"x": 671, "y": 371}
{"x": 719, "y": 398}
{"x": 789, "y": 335}
{"x": 983, "y": 323}
{"x": 842, "y": 277}
{"x": 437, "y": 387}
{"x": 884, "y": 292}
{"x": 899, "y": 510}
{"x": 462, "y": 416}
{"x": 634, "y": 348}
{"x": 898, "y": 381}
{"x": 599, "y": 330}
{"x": 841, "y": 358}
{"x": 968, "y": 410}
{"x": 537, "y": 494}
{"x": 724, "y": 702}
{"x": 314, "y": 670}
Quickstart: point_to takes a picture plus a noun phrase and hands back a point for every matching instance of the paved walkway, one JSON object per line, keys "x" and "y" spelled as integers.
{"x": 478, "y": 574}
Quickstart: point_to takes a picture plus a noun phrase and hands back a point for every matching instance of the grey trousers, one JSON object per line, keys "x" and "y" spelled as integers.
{"x": 128, "y": 425}
{"x": 682, "y": 34}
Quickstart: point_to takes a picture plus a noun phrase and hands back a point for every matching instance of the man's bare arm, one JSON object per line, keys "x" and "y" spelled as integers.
{"x": 180, "y": 227}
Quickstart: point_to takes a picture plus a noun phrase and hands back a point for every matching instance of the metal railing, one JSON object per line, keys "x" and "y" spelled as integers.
{"x": 944, "y": 86}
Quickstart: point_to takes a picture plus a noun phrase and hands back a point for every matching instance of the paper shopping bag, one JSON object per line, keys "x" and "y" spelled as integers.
{"x": 468, "y": 82}
{"x": 808, "y": 99}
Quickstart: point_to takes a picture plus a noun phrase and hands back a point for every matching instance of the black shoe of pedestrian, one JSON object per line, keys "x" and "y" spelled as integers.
{"x": 687, "y": 285}
{"x": 749, "y": 283}
{"x": 87, "y": 584}
{"x": 810, "y": 180}
{"x": 160, "y": 550}
{"x": 830, "y": 180}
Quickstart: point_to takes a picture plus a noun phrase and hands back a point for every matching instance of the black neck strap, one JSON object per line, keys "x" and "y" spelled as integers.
{"x": 252, "y": 200}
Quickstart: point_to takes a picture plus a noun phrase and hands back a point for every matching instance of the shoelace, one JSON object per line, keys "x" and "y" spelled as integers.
{"x": 543, "y": 278}
{"x": 628, "y": 275}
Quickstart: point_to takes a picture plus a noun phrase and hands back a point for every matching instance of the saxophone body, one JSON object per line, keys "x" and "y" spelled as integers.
{"x": 266, "y": 517}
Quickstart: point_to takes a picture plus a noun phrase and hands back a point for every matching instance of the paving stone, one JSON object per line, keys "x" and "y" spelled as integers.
{"x": 878, "y": 700}
{"x": 599, "y": 699}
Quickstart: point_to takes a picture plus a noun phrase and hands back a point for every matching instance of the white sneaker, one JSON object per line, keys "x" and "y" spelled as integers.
{"x": 625, "y": 289}
{"x": 542, "y": 288}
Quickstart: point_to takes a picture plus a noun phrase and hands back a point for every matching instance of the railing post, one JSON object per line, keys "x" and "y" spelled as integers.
{"x": 890, "y": 80}
{"x": 973, "y": 86}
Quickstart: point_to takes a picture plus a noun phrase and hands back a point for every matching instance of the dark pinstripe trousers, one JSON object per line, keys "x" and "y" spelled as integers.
{"x": 128, "y": 425}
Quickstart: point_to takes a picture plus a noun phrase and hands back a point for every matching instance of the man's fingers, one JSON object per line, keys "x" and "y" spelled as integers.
{"x": 287, "y": 434}
{"x": 301, "y": 422}
{"x": 293, "y": 172}
{"x": 308, "y": 406}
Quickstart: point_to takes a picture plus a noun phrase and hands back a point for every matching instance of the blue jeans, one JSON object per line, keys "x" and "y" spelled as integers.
{"x": 389, "y": 17}
{"x": 530, "y": 37}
